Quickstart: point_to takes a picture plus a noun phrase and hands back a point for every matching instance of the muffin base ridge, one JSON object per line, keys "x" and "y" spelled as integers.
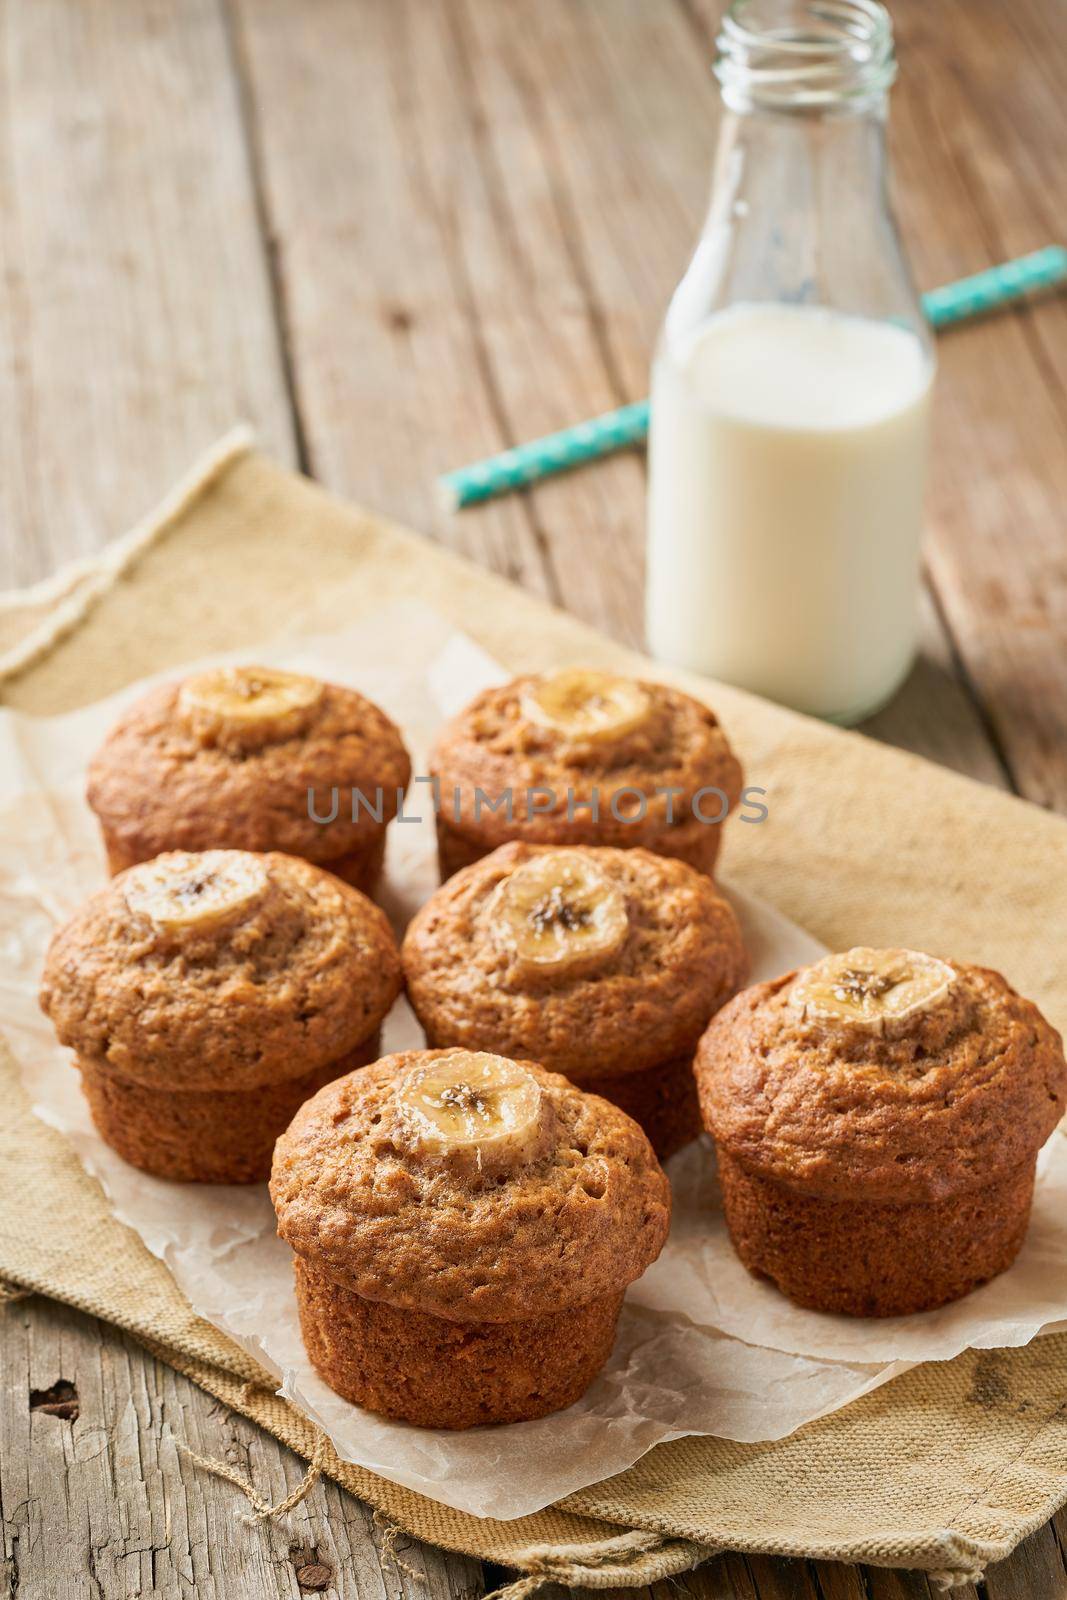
{"x": 361, "y": 868}
{"x": 864, "y": 1259}
{"x": 696, "y": 843}
{"x": 424, "y": 1370}
{"x": 208, "y": 1135}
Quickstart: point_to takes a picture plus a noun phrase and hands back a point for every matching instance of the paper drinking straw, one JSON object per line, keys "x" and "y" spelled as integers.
{"x": 999, "y": 286}
{"x": 601, "y": 436}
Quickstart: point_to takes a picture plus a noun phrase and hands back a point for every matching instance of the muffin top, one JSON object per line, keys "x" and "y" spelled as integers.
{"x": 220, "y": 971}
{"x": 882, "y": 1075}
{"x": 227, "y": 758}
{"x": 591, "y": 961}
{"x": 573, "y": 734}
{"x": 469, "y": 1187}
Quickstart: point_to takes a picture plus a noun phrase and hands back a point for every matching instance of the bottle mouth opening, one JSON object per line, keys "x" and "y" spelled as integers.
{"x": 805, "y": 54}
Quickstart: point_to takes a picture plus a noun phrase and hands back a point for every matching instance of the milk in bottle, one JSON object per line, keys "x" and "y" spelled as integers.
{"x": 791, "y": 385}
{"x": 788, "y": 458}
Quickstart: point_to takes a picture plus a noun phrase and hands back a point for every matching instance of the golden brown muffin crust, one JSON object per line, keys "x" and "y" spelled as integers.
{"x": 493, "y": 746}
{"x": 300, "y": 978}
{"x": 969, "y": 1091}
{"x": 645, "y": 1003}
{"x": 580, "y": 1221}
{"x": 156, "y": 784}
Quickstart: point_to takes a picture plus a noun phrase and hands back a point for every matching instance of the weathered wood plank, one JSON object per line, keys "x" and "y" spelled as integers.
{"x": 1036, "y": 1568}
{"x": 376, "y": 204}
{"x": 105, "y": 1506}
{"x": 136, "y": 317}
{"x": 935, "y": 714}
{"x": 969, "y": 158}
{"x": 835, "y": 1581}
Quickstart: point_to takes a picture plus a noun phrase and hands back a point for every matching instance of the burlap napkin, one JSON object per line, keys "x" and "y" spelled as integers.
{"x": 946, "y": 1468}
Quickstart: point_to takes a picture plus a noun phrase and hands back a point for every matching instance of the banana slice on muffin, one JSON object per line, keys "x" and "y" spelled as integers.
{"x": 579, "y": 704}
{"x": 467, "y": 1105}
{"x": 181, "y": 892}
{"x": 875, "y": 989}
{"x": 560, "y": 912}
{"x": 249, "y": 706}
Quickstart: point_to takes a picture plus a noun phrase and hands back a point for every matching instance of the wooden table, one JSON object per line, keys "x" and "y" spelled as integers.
{"x": 396, "y": 236}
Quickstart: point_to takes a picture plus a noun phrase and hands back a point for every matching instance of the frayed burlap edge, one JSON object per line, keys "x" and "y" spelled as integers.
{"x": 36, "y": 618}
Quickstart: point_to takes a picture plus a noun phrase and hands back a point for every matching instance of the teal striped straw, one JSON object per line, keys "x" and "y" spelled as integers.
{"x": 601, "y": 436}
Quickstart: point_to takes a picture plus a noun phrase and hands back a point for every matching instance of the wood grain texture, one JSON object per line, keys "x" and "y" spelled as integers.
{"x": 136, "y": 317}
{"x": 374, "y": 193}
{"x": 398, "y": 237}
{"x": 976, "y": 177}
{"x": 106, "y": 1506}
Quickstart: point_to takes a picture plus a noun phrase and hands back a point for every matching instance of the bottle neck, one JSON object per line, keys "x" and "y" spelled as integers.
{"x": 800, "y": 214}
{"x": 800, "y": 58}
{"x": 800, "y": 171}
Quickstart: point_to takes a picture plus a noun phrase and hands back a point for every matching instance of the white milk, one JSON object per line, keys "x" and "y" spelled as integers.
{"x": 787, "y": 458}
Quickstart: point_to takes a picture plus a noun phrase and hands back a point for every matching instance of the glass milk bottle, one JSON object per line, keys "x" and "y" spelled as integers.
{"x": 791, "y": 385}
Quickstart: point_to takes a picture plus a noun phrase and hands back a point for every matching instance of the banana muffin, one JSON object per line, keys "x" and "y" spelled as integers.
{"x": 583, "y": 757}
{"x": 464, "y": 1229}
{"x": 602, "y": 964}
{"x": 207, "y": 996}
{"x": 250, "y": 758}
{"x": 877, "y": 1118}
